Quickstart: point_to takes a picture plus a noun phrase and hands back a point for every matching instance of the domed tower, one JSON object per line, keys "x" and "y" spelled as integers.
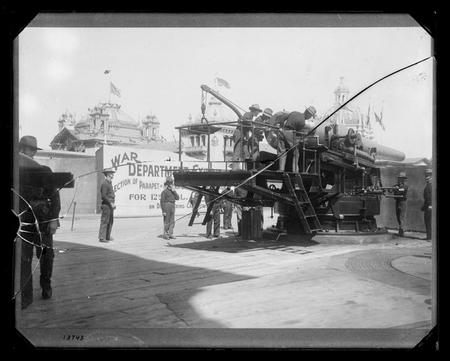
{"x": 99, "y": 117}
{"x": 348, "y": 116}
{"x": 150, "y": 127}
{"x": 66, "y": 120}
{"x": 341, "y": 92}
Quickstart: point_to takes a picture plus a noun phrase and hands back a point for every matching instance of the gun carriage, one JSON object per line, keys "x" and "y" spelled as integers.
{"x": 337, "y": 188}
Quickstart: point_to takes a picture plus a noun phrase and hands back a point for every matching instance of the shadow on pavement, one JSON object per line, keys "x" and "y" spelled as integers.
{"x": 98, "y": 287}
{"x": 231, "y": 243}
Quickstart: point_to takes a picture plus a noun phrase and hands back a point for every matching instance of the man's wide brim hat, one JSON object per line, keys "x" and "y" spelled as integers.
{"x": 311, "y": 110}
{"x": 255, "y": 107}
{"x": 108, "y": 171}
{"x": 428, "y": 171}
{"x": 402, "y": 175}
{"x": 268, "y": 112}
{"x": 29, "y": 141}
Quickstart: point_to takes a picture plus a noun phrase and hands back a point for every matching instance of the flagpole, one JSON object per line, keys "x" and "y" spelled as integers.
{"x": 108, "y": 72}
{"x": 109, "y": 96}
{"x": 105, "y": 141}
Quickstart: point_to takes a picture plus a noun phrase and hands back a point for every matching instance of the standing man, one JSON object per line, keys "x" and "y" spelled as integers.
{"x": 427, "y": 203}
{"x": 239, "y": 193}
{"x": 108, "y": 197}
{"x": 227, "y": 210}
{"x": 168, "y": 197}
{"x": 400, "y": 193}
{"x": 45, "y": 204}
{"x": 241, "y": 136}
{"x": 215, "y": 217}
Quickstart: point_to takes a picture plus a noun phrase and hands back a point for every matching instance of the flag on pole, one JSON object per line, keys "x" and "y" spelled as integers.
{"x": 379, "y": 118}
{"x": 222, "y": 82}
{"x": 114, "y": 90}
{"x": 107, "y": 72}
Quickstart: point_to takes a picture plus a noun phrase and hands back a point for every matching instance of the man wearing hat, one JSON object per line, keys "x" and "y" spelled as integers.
{"x": 427, "y": 205}
{"x": 28, "y": 146}
{"x": 400, "y": 193}
{"x": 45, "y": 204}
{"x": 168, "y": 198}
{"x": 108, "y": 197}
{"x": 263, "y": 118}
{"x": 253, "y": 113}
{"x": 241, "y": 136}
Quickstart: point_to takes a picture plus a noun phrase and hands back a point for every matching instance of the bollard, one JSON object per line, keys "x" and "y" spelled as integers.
{"x": 73, "y": 215}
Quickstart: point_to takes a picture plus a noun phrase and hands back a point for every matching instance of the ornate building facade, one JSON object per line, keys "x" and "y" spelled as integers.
{"x": 108, "y": 124}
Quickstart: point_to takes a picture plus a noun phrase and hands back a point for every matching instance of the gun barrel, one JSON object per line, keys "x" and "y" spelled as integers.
{"x": 383, "y": 152}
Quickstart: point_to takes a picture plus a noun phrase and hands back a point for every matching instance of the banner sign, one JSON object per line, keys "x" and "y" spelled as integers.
{"x": 139, "y": 180}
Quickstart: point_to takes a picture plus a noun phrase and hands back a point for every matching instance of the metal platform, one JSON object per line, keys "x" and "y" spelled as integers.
{"x": 227, "y": 178}
{"x": 215, "y": 178}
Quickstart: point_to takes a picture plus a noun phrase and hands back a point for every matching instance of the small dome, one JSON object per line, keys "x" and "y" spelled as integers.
{"x": 342, "y": 88}
{"x": 150, "y": 119}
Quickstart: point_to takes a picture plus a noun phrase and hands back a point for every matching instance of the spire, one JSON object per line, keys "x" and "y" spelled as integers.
{"x": 341, "y": 92}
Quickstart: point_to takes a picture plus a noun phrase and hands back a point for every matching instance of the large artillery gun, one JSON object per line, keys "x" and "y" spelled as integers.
{"x": 336, "y": 190}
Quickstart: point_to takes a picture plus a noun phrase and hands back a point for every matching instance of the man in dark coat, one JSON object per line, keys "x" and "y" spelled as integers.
{"x": 108, "y": 198}
{"x": 45, "y": 207}
{"x": 168, "y": 197}
{"x": 400, "y": 194}
{"x": 427, "y": 203}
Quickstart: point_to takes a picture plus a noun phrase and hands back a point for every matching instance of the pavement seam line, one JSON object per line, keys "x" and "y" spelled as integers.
{"x": 160, "y": 299}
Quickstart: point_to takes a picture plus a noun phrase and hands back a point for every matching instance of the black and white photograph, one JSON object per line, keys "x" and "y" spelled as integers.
{"x": 254, "y": 180}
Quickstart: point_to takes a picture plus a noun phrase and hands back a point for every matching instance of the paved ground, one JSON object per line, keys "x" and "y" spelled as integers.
{"x": 142, "y": 282}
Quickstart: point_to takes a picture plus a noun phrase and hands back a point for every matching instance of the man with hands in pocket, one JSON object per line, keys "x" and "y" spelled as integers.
{"x": 168, "y": 197}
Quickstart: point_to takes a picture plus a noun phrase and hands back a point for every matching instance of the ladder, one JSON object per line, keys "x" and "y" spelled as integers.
{"x": 302, "y": 204}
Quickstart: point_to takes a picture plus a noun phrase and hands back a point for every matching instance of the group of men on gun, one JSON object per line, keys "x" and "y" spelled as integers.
{"x": 247, "y": 136}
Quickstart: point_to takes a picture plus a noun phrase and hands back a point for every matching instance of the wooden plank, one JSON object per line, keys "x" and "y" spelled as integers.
{"x": 195, "y": 209}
